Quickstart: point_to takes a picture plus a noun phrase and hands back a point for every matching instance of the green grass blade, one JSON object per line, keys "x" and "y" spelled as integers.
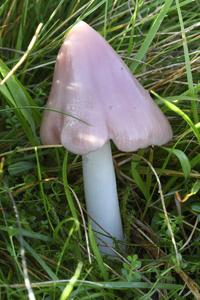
{"x": 40, "y": 261}
{"x": 27, "y": 233}
{"x": 68, "y": 192}
{"x": 180, "y": 112}
{"x": 151, "y": 34}
{"x": 187, "y": 64}
{"x": 42, "y": 192}
{"x": 139, "y": 181}
{"x": 69, "y": 288}
{"x": 97, "y": 253}
{"x": 21, "y": 33}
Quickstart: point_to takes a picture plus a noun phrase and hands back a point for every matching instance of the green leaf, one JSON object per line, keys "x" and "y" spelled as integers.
{"x": 130, "y": 269}
{"x": 195, "y": 188}
{"x": 17, "y": 97}
{"x": 195, "y": 161}
{"x": 20, "y": 167}
{"x": 196, "y": 207}
{"x": 184, "y": 161}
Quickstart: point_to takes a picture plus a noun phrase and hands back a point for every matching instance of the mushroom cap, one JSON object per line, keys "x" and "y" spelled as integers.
{"x": 94, "y": 98}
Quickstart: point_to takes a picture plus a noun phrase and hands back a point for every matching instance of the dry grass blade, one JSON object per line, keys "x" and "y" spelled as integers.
{"x": 27, "y": 281}
{"x": 23, "y": 58}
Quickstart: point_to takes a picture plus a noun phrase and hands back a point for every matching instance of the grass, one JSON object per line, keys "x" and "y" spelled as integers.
{"x": 47, "y": 249}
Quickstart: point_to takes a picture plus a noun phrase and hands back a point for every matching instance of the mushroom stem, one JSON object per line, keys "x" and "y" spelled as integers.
{"x": 101, "y": 197}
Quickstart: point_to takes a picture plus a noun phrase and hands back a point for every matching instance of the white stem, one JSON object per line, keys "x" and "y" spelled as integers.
{"x": 101, "y": 197}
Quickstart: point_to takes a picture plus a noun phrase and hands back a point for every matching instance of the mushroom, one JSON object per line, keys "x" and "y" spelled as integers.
{"x": 100, "y": 100}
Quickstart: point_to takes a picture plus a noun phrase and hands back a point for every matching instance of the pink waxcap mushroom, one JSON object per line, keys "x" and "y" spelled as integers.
{"x": 96, "y": 98}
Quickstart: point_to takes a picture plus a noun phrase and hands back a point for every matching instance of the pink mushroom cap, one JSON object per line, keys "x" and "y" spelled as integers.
{"x": 94, "y": 98}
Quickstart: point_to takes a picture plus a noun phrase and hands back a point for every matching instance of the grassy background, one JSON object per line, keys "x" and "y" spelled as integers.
{"x": 41, "y": 188}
